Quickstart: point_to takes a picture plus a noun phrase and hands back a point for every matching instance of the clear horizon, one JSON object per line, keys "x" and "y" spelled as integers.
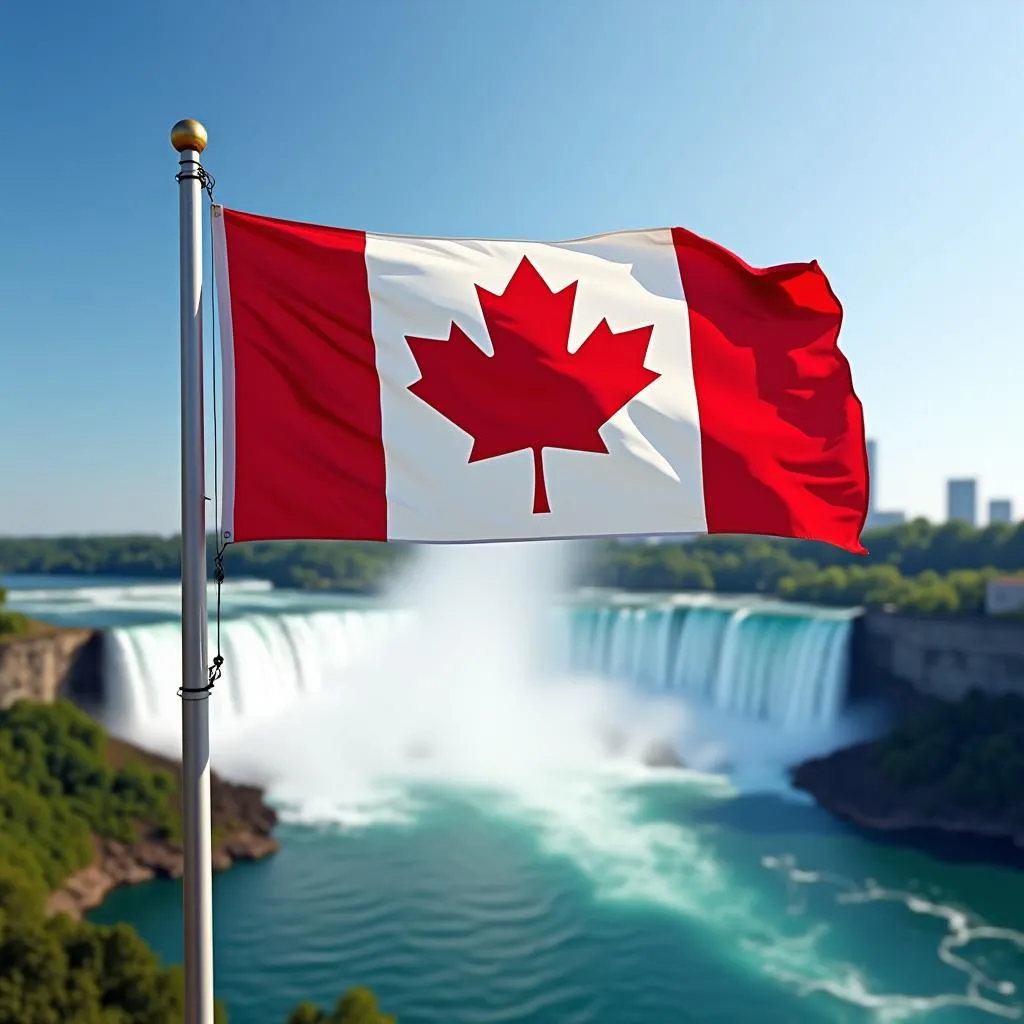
{"x": 880, "y": 140}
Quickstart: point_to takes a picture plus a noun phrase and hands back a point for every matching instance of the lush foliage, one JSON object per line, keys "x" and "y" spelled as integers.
{"x": 359, "y": 1006}
{"x": 11, "y": 623}
{"x": 57, "y": 971}
{"x": 58, "y": 787}
{"x": 62, "y": 781}
{"x": 355, "y": 567}
{"x": 916, "y": 567}
{"x": 966, "y": 757}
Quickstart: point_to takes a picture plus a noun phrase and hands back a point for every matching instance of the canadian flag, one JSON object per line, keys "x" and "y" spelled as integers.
{"x": 379, "y": 387}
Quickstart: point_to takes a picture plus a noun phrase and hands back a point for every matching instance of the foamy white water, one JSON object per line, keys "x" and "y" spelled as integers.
{"x": 481, "y": 669}
{"x": 465, "y": 685}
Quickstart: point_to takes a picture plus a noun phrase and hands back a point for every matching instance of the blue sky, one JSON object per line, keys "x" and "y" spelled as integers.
{"x": 883, "y": 139}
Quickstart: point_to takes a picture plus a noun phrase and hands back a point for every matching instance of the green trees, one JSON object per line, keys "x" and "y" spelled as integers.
{"x": 62, "y": 782}
{"x": 359, "y": 1006}
{"x": 58, "y": 971}
{"x": 961, "y": 592}
{"x": 354, "y": 567}
{"x": 919, "y": 567}
{"x": 58, "y": 788}
{"x": 916, "y": 567}
{"x": 961, "y": 757}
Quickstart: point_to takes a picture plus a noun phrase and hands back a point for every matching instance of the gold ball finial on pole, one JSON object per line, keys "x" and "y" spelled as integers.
{"x": 188, "y": 134}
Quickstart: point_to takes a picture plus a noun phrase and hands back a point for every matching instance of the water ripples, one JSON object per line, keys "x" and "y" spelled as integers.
{"x": 987, "y": 996}
{"x": 581, "y": 905}
{"x": 444, "y": 918}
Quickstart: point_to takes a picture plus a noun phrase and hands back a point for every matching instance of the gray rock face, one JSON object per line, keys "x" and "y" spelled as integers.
{"x": 47, "y": 664}
{"x": 662, "y": 755}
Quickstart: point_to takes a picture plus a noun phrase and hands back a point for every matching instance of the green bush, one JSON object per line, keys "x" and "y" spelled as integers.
{"x": 961, "y": 757}
{"x": 59, "y": 971}
{"x": 11, "y": 623}
{"x": 56, "y": 756}
{"x": 57, "y": 789}
{"x": 359, "y": 1006}
{"x": 59, "y": 786}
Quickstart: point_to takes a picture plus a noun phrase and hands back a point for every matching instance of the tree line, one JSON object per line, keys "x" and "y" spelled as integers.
{"x": 58, "y": 789}
{"x": 960, "y": 758}
{"x": 918, "y": 566}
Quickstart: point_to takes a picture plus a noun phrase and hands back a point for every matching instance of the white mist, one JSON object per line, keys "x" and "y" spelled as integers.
{"x": 465, "y": 693}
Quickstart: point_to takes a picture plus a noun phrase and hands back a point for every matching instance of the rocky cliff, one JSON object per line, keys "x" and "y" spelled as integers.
{"x": 849, "y": 785}
{"x": 48, "y": 663}
{"x": 943, "y": 656}
{"x": 948, "y": 771}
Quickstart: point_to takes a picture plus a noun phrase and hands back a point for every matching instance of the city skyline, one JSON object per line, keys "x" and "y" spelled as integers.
{"x": 963, "y": 500}
{"x": 784, "y": 131}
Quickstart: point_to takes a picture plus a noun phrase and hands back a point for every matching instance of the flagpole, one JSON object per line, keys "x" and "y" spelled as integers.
{"x": 189, "y": 139}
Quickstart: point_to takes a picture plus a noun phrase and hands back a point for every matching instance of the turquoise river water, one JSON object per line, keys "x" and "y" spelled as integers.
{"x": 479, "y": 852}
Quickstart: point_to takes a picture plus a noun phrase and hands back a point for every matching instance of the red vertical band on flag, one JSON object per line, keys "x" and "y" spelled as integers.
{"x": 309, "y": 455}
{"x": 782, "y": 431}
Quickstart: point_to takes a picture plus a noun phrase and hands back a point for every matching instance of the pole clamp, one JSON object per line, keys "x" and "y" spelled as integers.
{"x": 197, "y": 173}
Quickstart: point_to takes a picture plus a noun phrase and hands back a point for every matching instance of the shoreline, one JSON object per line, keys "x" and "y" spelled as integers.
{"x": 849, "y": 785}
{"x": 243, "y": 827}
{"x": 117, "y": 865}
{"x": 51, "y": 661}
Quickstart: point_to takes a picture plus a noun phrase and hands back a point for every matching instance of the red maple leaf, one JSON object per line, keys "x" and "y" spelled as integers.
{"x": 532, "y": 393}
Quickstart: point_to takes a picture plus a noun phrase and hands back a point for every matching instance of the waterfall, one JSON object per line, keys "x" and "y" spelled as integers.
{"x": 270, "y": 662}
{"x": 749, "y": 659}
{"x": 776, "y": 663}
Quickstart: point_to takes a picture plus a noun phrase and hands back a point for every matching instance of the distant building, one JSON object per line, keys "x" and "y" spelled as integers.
{"x": 876, "y": 519}
{"x": 1004, "y": 595}
{"x": 882, "y": 520}
{"x": 962, "y": 501}
{"x": 1000, "y": 510}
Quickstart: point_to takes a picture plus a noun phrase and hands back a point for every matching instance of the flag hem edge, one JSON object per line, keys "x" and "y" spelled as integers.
{"x": 227, "y": 384}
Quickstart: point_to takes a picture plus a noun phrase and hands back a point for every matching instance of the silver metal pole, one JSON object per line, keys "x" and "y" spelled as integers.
{"x": 189, "y": 139}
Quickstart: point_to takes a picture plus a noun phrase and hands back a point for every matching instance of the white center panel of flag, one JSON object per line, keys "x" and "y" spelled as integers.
{"x": 649, "y": 479}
